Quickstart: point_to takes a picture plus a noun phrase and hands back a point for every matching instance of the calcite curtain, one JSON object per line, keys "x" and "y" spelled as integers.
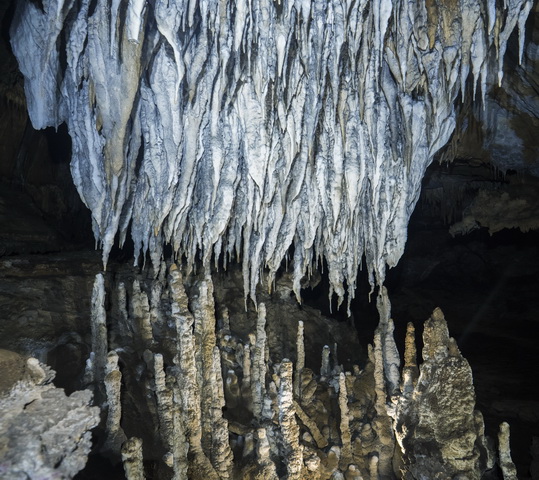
{"x": 237, "y": 129}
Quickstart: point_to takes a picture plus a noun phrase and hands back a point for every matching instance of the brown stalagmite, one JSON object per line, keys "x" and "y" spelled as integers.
{"x": 504, "y": 448}
{"x": 410, "y": 372}
{"x": 258, "y": 373}
{"x": 300, "y": 360}
{"x": 203, "y": 309}
{"x": 266, "y": 466}
{"x": 310, "y": 424}
{"x": 325, "y": 369}
{"x": 346, "y": 438}
{"x": 186, "y": 376}
{"x": 141, "y": 315}
{"x": 433, "y": 442}
{"x": 180, "y": 446}
{"x": 113, "y": 385}
{"x": 293, "y": 454}
{"x": 221, "y": 454}
{"x": 382, "y": 422}
{"x": 132, "y": 459}
{"x": 165, "y": 403}
{"x": 390, "y": 353}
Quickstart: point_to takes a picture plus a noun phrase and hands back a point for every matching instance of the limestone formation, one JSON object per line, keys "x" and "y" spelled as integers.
{"x": 293, "y": 451}
{"x": 99, "y": 331}
{"x": 43, "y": 432}
{"x": 132, "y": 459}
{"x": 506, "y": 463}
{"x": 433, "y": 442}
{"x": 327, "y": 113}
{"x": 113, "y": 383}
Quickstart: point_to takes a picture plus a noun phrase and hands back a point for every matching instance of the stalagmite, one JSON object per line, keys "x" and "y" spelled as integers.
{"x": 300, "y": 360}
{"x": 346, "y": 439}
{"x": 320, "y": 440}
{"x": 141, "y": 315}
{"x": 180, "y": 446}
{"x": 325, "y": 368}
{"x": 267, "y": 467}
{"x": 382, "y": 422}
{"x": 287, "y": 421}
{"x": 165, "y": 403}
{"x": 258, "y": 373}
{"x": 390, "y": 353}
{"x": 410, "y": 372}
{"x": 373, "y": 467}
{"x": 504, "y": 448}
{"x": 189, "y": 386}
{"x": 203, "y": 309}
{"x": 99, "y": 330}
{"x": 44, "y": 434}
{"x": 132, "y": 459}
{"x": 113, "y": 385}
{"x": 222, "y": 457}
{"x": 433, "y": 442}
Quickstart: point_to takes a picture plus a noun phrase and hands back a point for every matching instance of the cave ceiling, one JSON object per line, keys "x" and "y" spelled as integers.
{"x": 236, "y": 130}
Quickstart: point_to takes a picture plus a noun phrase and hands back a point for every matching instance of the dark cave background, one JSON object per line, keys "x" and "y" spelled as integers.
{"x": 487, "y": 285}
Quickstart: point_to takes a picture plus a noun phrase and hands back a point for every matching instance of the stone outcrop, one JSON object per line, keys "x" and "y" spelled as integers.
{"x": 43, "y": 432}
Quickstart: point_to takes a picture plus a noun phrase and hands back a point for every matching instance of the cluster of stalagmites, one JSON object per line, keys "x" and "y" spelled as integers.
{"x": 186, "y": 397}
{"x": 242, "y": 128}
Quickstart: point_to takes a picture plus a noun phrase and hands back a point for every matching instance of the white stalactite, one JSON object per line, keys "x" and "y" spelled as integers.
{"x": 259, "y": 125}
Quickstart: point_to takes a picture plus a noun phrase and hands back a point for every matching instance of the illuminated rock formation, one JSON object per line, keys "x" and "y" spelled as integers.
{"x": 43, "y": 432}
{"x": 327, "y": 113}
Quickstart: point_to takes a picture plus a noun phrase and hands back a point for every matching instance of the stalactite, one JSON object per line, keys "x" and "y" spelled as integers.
{"x": 327, "y": 114}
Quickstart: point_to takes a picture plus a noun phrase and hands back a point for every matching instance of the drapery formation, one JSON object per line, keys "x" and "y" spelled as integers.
{"x": 241, "y": 128}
